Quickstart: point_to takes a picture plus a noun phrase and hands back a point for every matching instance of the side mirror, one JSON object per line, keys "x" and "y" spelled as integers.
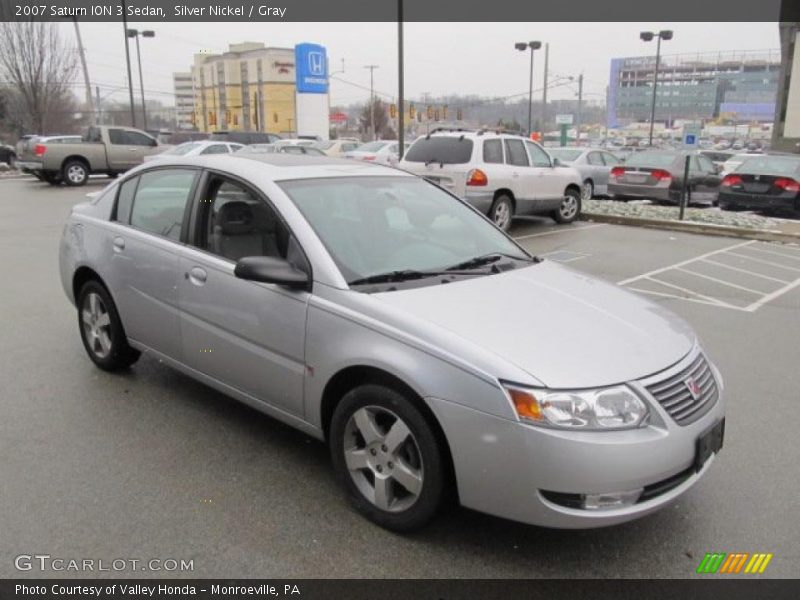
{"x": 556, "y": 162}
{"x": 268, "y": 269}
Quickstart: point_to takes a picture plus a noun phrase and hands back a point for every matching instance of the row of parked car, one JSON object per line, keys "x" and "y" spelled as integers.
{"x": 502, "y": 174}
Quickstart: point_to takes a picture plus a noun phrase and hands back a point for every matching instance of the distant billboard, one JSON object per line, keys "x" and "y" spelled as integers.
{"x": 791, "y": 126}
{"x": 311, "y": 68}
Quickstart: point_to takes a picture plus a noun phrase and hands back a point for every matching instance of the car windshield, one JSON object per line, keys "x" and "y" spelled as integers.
{"x": 659, "y": 160}
{"x": 182, "y": 149}
{"x": 564, "y": 154}
{"x": 372, "y": 146}
{"x": 377, "y": 225}
{"x": 771, "y": 165}
{"x": 444, "y": 150}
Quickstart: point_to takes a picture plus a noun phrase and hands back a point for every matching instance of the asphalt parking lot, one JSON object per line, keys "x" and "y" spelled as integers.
{"x": 151, "y": 464}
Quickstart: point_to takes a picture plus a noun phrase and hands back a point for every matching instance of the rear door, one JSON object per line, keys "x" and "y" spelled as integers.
{"x": 706, "y": 180}
{"x": 599, "y": 171}
{"x": 152, "y": 211}
{"x": 247, "y": 335}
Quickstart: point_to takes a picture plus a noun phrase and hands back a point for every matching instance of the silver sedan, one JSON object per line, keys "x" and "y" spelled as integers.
{"x": 594, "y": 165}
{"x": 380, "y": 314}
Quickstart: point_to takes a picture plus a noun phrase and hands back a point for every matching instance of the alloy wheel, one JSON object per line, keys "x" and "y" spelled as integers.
{"x": 383, "y": 458}
{"x": 587, "y": 191}
{"x": 502, "y": 215}
{"x": 96, "y": 325}
{"x": 76, "y": 174}
{"x": 569, "y": 207}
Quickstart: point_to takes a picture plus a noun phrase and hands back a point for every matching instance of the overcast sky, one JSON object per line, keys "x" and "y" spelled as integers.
{"x": 441, "y": 58}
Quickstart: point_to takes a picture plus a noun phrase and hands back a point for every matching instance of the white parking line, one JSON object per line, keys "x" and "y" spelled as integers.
{"x": 753, "y": 273}
{"x": 737, "y": 250}
{"x": 568, "y": 230}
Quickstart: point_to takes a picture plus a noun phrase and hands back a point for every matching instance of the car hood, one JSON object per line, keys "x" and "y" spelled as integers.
{"x": 564, "y": 328}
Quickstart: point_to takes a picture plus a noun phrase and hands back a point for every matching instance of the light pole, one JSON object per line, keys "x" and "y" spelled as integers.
{"x": 372, "y": 99}
{"x": 647, "y": 36}
{"x": 522, "y": 47}
{"x": 135, "y": 33}
{"x": 128, "y": 60}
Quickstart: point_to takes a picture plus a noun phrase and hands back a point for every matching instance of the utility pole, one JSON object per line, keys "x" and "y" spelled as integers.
{"x": 128, "y": 61}
{"x": 99, "y": 120}
{"x": 544, "y": 89}
{"x": 372, "y": 99}
{"x": 401, "y": 134}
{"x": 580, "y": 109}
{"x": 82, "y": 54}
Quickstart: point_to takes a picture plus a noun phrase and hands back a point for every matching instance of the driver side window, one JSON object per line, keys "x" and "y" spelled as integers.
{"x": 539, "y": 158}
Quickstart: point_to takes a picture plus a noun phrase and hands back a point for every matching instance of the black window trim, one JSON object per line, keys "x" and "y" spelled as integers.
{"x": 186, "y": 209}
{"x": 199, "y": 212}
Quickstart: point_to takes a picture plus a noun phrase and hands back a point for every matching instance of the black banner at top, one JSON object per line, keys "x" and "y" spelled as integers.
{"x": 413, "y": 10}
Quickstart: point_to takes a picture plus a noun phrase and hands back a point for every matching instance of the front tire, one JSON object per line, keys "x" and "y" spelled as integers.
{"x": 570, "y": 207}
{"x": 75, "y": 173}
{"x": 502, "y": 212}
{"x": 101, "y": 330}
{"x": 387, "y": 457}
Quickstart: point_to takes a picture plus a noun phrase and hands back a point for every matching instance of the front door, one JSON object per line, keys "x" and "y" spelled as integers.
{"x": 248, "y": 335}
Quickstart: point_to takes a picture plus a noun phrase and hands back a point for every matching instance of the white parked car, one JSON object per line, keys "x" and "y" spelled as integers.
{"x": 339, "y": 147}
{"x": 502, "y": 175}
{"x": 196, "y": 149}
{"x": 385, "y": 152}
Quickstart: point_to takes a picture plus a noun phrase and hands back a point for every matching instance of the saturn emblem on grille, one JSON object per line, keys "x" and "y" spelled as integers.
{"x": 693, "y": 388}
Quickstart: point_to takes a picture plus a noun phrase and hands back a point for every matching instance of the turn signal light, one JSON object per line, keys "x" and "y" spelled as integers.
{"x": 477, "y": 177}
{"x": 731, "y": 180}
{"x": 788, "y": 185}
{"x": 661, "y": 174}
{"x": 526, "y": 404}
{"x": 39, "y": 149}
{"x": 369, "y": 157}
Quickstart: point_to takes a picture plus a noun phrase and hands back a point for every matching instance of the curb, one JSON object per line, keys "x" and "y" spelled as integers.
{"x": 764, "y": 235}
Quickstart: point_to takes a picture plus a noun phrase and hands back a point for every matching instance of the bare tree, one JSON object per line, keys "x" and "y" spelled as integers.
{"x": 38, "y": 67}
{"x": 383, "y": 127}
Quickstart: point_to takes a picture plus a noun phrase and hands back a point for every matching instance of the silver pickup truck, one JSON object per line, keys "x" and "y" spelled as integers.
{"x": 103, "y": 149}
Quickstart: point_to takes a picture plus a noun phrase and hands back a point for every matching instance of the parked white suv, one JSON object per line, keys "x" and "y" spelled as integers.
{"x": 500, "y": 174}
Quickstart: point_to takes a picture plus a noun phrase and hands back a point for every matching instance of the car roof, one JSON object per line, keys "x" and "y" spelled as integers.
{"x": 281, "y": 166}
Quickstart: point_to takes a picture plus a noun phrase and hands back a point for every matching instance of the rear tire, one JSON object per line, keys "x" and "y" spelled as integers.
{"x": 75, "y": 173}
{"x": 387, "y": 458}
{"x": 101, "y": 330}
{"x": 502, "y": 212}
{"x": 570, "y": 207}
{"x": 587, "y": 191}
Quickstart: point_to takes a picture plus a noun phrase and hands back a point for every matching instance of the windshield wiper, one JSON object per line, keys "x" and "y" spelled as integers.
{"x": 486, "y": 259}
{"x": 435, "y": 160}
{"x": 407, "y": 275}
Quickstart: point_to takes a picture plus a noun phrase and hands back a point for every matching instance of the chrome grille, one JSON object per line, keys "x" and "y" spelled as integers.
{"x": 674, "y": 395}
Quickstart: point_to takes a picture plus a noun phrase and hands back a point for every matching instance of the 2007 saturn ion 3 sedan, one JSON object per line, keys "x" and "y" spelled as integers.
{"x": 373, "y": 310}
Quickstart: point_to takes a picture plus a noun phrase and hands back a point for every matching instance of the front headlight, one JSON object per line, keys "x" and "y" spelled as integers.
{"x": 602, "y": 409}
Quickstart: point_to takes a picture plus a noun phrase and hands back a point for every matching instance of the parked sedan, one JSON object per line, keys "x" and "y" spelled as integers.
{"x": 767, "y": 183}
{"x": 375, "y": 311}
{"x": 196, "y": 149}
{"x": 658, "y": 175}
{"x": 337, "y": 148}
{"x": 594, "y": 165}
{"x": 280, "y": 149}
{"x": 381, "y": 152}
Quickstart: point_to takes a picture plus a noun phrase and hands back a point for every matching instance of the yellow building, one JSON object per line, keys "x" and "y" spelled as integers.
{"x": 248, "y": 88}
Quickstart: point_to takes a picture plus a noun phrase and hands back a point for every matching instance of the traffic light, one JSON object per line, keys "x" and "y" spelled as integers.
{"x": 212, "y": 118}
{"x": 227, "y": 117}
{"x": 436, "y": 115}
{"x": 236, "y": 119}
{"x": 444, "y": 112}
{"x": 412, "y": 112}
{"x": 429, "y": 112}
{"x": 393, "y": 111}
{"x": 459, "y": 114}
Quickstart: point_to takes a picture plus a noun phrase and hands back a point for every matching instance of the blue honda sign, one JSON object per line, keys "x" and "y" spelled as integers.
{"x": 312, "y": 68}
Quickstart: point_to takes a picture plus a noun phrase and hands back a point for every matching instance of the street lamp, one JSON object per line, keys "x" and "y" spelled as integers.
{"x": 647, "y": 36}
{"x": 522, "y": 47}
{"x": 135, "y": 33}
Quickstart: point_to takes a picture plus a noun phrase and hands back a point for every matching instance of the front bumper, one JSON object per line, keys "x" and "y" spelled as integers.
{"x": 503, "y": 466}
{"x": 662, "y": 194}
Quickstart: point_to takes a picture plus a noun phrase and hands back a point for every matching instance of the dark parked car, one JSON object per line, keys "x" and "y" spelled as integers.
{"x": 658, "y": 175}
{"x": 245, "y": 137}
{"x": 8, "y": 155}
{"x": 763, "y": 183}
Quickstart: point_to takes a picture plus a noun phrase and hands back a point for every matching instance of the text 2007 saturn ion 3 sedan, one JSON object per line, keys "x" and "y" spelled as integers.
{"x": 373, "y": 310}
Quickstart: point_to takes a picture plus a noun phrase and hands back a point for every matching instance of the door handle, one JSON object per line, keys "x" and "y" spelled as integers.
{"x": 196, "y": 275}
{"x": 119, "y": 244}
{"x": 515, "y": 174}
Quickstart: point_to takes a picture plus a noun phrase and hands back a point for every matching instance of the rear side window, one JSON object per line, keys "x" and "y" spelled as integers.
{"x": 444, "y": 150}
{"x": 117, "y": 136}
{"x": 160, "y": 201}
{"x": 493, "y": 151}
{"x": 515, "y": 153}
{"x": 125, "y": 200}
{"x": 595, "y": 158}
